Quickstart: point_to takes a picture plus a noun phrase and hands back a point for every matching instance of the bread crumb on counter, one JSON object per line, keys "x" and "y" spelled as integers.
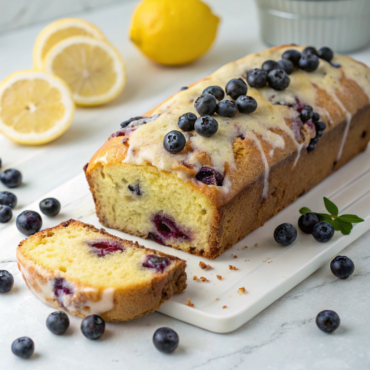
{"x": 204, "y": 266}
{"x": 235, "y": 256}
{"x": 232, "y": 267}
{"x": 219, "y": 277}
{"x": 223, "y": 307}
{"x": 204, "y": 279}
{"x": 188, "y": 303}
{"x": 242, "y": 290}
{"x": 195, "y": 278}
{"x": 256, "y": 245}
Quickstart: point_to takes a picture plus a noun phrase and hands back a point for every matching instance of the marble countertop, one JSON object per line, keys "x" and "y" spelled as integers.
{"x": 283, "y": 337}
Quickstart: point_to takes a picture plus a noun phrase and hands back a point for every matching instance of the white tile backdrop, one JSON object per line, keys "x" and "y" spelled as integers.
{"x": 19, "y": 13}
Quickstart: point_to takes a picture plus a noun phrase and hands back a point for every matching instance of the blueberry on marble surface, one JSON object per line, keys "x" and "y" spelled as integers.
{"x": 270, "y": 65}
{"x": 246, "y": 104}
{"x": 186, "y": 121}
{"x": 57, "y": 322}
{"x": 323, "y": 232}
{"x": 342, "y": 267}
{"x": 257, "y": 78}
{"x": 165, "y": 340}
{"x": 286, "y": 65}
{"x": 8, "y": 199}
{"x": 227, "y": 108}
{"x": 327, "y": 321}
{"x": 50, "y": 207}
{"x": 23, "y": 347}
{"x": 6, "y": 281}
{"x": 29, "y": 222}
{"x": 206, "y": 105}
{"x": 307, "y": 221}
{"x": 326, "y": 53}
{"x": 310, "y": 50}
{"x": 93, "y": 327}
{"x": 293, "y": 55}
{"x": 309, "y": 62}
{"x": 216, "y": 91}
{"x": 206, "y": 126}
{"x": 174, "y": 141}
{"x": 278, "y": 79}
{"x": 6, "y": 214}
{"x": 236, "y": 87}
{"x": 11, "y": 178}
{"x": 285, "y": 234}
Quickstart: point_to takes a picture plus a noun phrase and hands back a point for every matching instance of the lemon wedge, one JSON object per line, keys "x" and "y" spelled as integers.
{"x": 35, "y": 107}
{"x": 58, "y": 31}
{"x": 93, "y": 69}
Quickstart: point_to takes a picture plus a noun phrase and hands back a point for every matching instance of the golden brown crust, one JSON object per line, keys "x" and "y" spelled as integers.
{"x": 128, "y": 303}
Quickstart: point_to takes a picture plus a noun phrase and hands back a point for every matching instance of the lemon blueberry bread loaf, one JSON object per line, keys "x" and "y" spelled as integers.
{"x": 204, "y": 168}
{"x": 82, "y": 270}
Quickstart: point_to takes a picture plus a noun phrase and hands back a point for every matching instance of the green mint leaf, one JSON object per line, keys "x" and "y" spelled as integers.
{"x": 336, "y": 225}
{"x": 324, "y": 217}
{"x": 345, "y": 227}
{"x": 304, "y": 210}
{"x": 353, "y": 219}
{"x": 331, "y": 207}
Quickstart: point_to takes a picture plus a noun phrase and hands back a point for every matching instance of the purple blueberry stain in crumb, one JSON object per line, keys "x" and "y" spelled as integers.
{"x": 209, "y": 176}
{"x": 156, "y": 238}
{"x": 103, "y": 247}
{"x": 296, "y": 127}
{"x": 123, "y": 132}
{"x": 61, "y": 289}
{"x": 156, "y": 262}
{"x": 167, "y": 229}
{"x": 135, "y": 189}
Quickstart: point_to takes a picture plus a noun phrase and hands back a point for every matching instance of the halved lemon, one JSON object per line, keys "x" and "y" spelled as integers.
{"x": 58, "y": 31}
{"x": 35, "y": 107}
{"x": 93, "y": 69}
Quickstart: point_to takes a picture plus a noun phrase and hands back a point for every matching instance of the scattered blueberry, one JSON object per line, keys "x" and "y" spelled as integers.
{"x": 126, "y": 123}
{"x": 286, "y": 65}
{"x": 342, "y": 267}
{"x": 278, "y": 79}
{"x": 320, "y": 126}
{"x": 23, "y": 347}
{"x": 257, "y": 78}
{"x": 270, "y": 65}
{"x": 323, "y": 232}
{"x": 309, "y": 62}
{"x": 246, "y": 104}
{"x": 227, "y": 108}
{"x": 285, "y": 234}
{"x": 311, "y": 147}
{"x": 315, "y": 117}
{"x": 206, "y": 126}
{"x": 206, "y": 105}
{"x": 135, "y": 189}
{"x": 310, "y": 50}
{"x": 292, "y": 55}
{"x": 326, "y": 53}
{"x": 156, "y": 262}
{"x": 186, "y": 121}
{"x": 306, "y": 114}
{"x": 5, "y": 214}
{"x": 6, "y": 281}
{"x": 236, "y": 87}
{"x": 29, "y": 222}
{"x": 57, "y": 322}
{"x": 50, "y": 207}
{"x": 307, "y": 221}
{"x": 11, "y": 178}
{"x": 216, "y": 91}
{"x": 327, "y": 321}
{"x": 209, "y": 176}
{"x": 174, "y": 141}
{"x": 8, "y": 199}
{"x": 93, "y": 327}
{"x": 165, "y": 340}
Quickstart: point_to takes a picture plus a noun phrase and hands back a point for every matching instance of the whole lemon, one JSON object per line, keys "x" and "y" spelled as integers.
{"x": 173, "y": 32}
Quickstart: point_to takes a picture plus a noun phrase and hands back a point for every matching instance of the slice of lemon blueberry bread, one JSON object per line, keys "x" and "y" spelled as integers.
{"x": 218, "y": 159}
{"x": 82, "y": 270}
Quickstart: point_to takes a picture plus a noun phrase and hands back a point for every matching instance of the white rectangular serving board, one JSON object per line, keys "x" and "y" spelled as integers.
{"x": 266, "y": 270}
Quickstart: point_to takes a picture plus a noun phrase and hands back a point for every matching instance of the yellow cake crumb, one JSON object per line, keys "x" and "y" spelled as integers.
{"x": 241, "y": 290}
{"x": 188, "y": 303}
{"x": 204, "y": 266}
{"x": 232, "y": 267}
{"x": 219, "y": 277}
{"x": 204, "y": 279}
{"x": 224, "y": 307}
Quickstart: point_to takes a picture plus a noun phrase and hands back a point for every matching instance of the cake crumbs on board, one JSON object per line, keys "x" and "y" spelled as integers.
{"x": 219, "y": 277}
{"x": 223, "y": 307}
{"x": 204, "y": 279}
{"x": 188, "y": 303}
{"x": 242, "y": 290}
{"x": 231, "y": 267}
{"x": 204, "y": 266}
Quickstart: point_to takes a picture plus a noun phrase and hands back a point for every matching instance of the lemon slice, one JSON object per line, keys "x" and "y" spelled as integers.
{"x": 58, "y": 31}
{"x": 35, "y": 107}
{"x": 93, "y": 69}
